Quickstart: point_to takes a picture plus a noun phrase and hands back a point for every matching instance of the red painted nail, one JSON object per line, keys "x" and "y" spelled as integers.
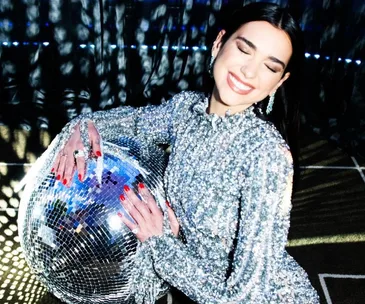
{"x": 64, "y": 181}
{"x": 168, "y": 204}
{"x": 52, "y": 170}
{"x": 80, "y": 177}
{"x": 122, "y": 197}
{"x": 141, "y": 185}
{"x": 58, "y": 177}
{"x": 126, "y": 188}
{"x": 98, "y": 153}
{"x": 120, "y": 214}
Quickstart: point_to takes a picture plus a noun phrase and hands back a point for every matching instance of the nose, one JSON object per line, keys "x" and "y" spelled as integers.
{"x": 249, "y": 69}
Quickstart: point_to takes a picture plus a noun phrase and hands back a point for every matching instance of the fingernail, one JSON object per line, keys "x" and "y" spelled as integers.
{"x": 58, "y": 177}
{"x": 52, "y": 170}
{"x": 126, "y": 188}
{"x": 168, "y": 204}
{"x": 141, "y": 185}
{"x": 120, "y": 214}
{"x": 122, "y": 197}
{"x": 80, "y": 177}
{"x": 64, "y": 181}
{"x": 98, "y": 153}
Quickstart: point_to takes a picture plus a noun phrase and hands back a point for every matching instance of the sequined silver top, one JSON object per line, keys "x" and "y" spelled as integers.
{"x": 228, "y": 180}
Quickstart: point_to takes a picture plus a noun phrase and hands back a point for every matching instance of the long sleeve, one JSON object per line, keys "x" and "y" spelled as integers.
{"x": 262, "y": 235}
{"x": 153, "y": 123}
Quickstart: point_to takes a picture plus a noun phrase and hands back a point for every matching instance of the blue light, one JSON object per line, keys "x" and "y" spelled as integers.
{"x": 348, "y": 60}
{"x": 5, "y": 43}
{"x": 339, "y": 59}
{"x": 154, "y": 47}
{"x": 307, "y": 55}
{"x": 35, "y": 43}
{"x": 113, "y": 46}
{"x": 327, "y": 57}
{"x": 358, "y": 62}
{"x": 174, "y": 47}
{"x": 195, "y": 48}
{"x": 15, "y": 43}
{"x": 144, "y": 47}
{"x": 133, "y": 46}
{"x": 164, "y": 47}
{"x": 183, "y": 27}
{"x": 317, "y": 56}
{"x": 46, "y": 43}
{"x": 25, "y": 43}
{"x": 82, "y": 46}
{"x": 204, "y": 48}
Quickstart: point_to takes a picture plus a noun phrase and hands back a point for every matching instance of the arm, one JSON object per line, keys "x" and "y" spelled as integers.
{"x": 86, "y": 132}
{"x": 260, "y": 244}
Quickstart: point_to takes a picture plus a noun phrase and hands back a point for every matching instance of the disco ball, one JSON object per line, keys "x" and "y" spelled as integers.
{"x": 73, "y": 239}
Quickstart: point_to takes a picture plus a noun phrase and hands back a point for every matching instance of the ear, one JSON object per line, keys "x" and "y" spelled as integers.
{"x": 286, "y": 76}
{"x": 217, "y": 44}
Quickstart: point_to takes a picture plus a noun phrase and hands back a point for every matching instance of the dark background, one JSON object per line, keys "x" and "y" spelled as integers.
{"x": 61, "y": 58}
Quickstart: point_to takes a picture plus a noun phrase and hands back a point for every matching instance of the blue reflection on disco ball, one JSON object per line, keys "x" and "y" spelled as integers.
{"x": 72, "y": 237}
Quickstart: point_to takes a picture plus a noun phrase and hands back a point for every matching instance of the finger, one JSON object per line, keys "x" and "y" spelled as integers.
{"x": 61, "y": 168}
{"x": 69, "y": 170}
{"x": 127, "y": 222}
{"x": 137, "y": 203}
{"x": 149, "y": 199}
{"x": 94, "y": 139}
{"x": 56, "y": 164}
{"x": 133, "y": 212}
{"x": 81, "y": 167}
{"x": 174, "y": 224}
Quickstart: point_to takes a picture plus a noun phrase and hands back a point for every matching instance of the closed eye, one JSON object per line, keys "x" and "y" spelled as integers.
{"x": 243, "y": 51}
{"x": 271, "y": 69}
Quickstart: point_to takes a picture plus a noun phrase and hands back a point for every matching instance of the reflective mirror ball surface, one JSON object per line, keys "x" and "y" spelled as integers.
{"x": 73, "y": 239}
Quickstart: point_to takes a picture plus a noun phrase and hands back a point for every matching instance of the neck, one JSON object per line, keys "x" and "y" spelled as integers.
{"x": 217, "y": 106}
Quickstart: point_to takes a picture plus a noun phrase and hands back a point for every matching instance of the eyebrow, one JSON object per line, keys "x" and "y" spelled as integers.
{"x": 252, "y": 46}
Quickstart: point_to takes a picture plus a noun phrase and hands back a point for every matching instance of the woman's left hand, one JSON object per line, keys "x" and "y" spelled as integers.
{"x": 147, "y": 215}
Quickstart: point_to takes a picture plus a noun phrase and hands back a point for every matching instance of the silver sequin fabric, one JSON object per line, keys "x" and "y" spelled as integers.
{"x": 228, "y": 180}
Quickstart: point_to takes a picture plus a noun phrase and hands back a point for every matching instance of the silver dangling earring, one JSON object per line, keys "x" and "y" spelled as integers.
{"x": 210, "y": 67}
{"x": 270, "y": 103}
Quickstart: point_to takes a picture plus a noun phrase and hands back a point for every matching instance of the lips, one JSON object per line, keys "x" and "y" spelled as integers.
{"x": 239, "y": 86}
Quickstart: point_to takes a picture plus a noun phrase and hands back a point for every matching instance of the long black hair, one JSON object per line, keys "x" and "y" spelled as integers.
{"x": 285, "y": 113}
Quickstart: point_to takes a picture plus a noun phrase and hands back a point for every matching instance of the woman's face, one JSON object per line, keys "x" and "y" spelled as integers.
{"x": 249, "y": 66}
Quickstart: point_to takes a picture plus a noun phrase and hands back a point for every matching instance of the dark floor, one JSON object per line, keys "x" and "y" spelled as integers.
{"x": 327, "y": 235}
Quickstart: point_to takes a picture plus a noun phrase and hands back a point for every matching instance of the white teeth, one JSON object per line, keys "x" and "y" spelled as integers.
{"x": 238, "y": 84}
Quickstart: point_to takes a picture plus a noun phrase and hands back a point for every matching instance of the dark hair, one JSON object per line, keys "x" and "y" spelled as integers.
{"x": 285, "y": 113}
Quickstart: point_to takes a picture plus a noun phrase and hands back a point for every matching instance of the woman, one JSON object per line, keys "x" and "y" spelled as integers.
{"x": 229, "y": 176}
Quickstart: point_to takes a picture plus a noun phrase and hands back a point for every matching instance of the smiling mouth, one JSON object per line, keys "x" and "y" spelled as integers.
{"x": 238, "y": 86}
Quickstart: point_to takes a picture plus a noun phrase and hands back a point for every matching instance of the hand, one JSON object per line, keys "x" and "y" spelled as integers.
{"x": 147, "y": 215}
{"x": 65, "y": 164}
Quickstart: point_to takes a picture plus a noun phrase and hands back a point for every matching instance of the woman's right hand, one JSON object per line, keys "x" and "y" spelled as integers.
{"x": 66, "y": 163}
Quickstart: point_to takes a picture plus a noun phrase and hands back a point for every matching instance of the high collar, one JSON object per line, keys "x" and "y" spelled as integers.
{"x": 200, "y": 108}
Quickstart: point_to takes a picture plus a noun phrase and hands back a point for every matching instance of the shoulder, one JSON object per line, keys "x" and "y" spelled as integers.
{"x": 271, "y": 143}
{"x": 187, "y": 97}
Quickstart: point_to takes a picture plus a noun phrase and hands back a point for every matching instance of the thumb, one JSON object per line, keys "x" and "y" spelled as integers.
{"x": 95, "y": 140}
{"x": 174, "y": 224}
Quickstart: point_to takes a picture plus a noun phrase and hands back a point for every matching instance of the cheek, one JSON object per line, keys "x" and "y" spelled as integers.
{"x": 268, "y": 81}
